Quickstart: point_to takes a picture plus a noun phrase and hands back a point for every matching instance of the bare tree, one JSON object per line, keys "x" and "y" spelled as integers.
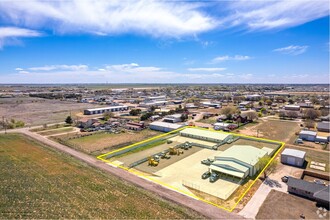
{"x": 251, "y": 115}
{"x": 292, "y": 114}
{"x": 311, "y": 114}
{"x": 228, "y": 110}
{"x": 309, "y": 124}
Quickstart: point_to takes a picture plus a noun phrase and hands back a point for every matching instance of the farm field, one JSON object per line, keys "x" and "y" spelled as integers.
{"x": 38, "y": 111}
{"x": 103, "y": 142}
{"x": 38, "y": 182}
{"x": 287, "y": 206}
{"x": 273, "y": 129}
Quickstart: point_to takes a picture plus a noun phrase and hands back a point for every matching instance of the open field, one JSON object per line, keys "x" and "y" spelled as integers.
{"x": 38, "y": 111}
{"x": 279, "y": 205}
{"x": 104, "y": 142}
{"x": 210, "y": 120}
{"x": 273, "y": 129}
{"x": 56, "y": 131}
{"x": 38, "y": 182}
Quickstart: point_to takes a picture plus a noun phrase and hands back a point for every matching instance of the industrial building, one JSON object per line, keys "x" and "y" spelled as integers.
{"x": 205, "y": 135}
{"x": 293, "y": 157}
{"x": 94, "y": 111}
{"x": 164, "y": 126}
{"x": 292, "y": 107}
{"x": 239, "y": 161}
{"x": 173, "y": 118}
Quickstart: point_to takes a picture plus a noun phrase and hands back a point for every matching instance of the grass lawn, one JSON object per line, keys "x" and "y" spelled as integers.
{"x": 41, "y": 183}
{"x": 55, "y": 131}
{"x": 279, "y": 205}
{"x": 103, "y": 142}
{"x": 273, "y": 129}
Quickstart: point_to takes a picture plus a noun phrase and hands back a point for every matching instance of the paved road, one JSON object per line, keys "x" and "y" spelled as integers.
{"x": 203, "y": 208}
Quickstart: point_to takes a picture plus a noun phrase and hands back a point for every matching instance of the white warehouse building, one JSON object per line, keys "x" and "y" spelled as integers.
{"x": 293, "y": 157}
{"x": 94, "y": 111}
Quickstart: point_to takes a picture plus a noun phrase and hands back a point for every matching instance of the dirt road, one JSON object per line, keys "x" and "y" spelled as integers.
{"x": 205, "y": 209}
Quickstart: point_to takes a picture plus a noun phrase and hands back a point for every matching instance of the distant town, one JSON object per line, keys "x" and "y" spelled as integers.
{"x": 239, "y": 150}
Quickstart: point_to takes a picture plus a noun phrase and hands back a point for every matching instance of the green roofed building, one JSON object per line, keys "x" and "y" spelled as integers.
{"x": 205, "y": 135}
{"x": 238, "y": 161}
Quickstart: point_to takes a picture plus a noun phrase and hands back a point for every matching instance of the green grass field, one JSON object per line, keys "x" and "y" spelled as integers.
{"x": 39, "y": 182}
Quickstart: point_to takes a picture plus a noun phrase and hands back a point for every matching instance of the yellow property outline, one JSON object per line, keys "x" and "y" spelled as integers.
{"x": 140, "y": 174}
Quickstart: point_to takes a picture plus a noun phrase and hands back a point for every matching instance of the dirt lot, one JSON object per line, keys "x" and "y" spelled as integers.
{"x": 40, "y": 183}
{"x": 38, "y": 111}
{"x": 280, "y": 205}
{"x": 105, "y": 142}
{"x": 56, "y": 131}
{"x": 273, "y": 129}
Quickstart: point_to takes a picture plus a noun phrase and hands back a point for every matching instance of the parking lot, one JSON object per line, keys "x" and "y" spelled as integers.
{"x": 188, "y": 171}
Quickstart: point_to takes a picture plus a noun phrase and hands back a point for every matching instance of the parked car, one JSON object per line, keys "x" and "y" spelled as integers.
{"x": 207, "y": 162}
{"x": 206, "y": 175}
{"x": 285, "y": 179}
{"x": 320, "y": 182}
{"x": 214, "y": 177}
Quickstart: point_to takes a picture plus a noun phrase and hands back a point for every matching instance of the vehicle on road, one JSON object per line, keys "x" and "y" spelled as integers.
{"x": 207, "y": 162}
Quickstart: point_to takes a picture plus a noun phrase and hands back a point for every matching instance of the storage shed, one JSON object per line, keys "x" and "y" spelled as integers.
{"x": 307, "y": 135}
{"x": 293, "y": 157}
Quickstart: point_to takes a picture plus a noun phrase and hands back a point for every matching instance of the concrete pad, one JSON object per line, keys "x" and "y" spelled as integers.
{"x": 188, "y": 172}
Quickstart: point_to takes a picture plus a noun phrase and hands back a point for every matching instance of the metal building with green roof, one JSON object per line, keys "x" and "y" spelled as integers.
{"x": 238, "y": 161}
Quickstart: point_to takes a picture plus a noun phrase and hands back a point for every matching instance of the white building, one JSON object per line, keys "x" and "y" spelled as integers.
{"x": 293, "y": 157}
{"x": 164, "y": 126}
{"x": 94, "y": 111}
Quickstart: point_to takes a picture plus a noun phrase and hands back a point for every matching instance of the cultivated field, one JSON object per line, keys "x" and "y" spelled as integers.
{"x": 104, "y": 142}
{"x": 273, "y": 129}
{"x": 38, "y": 111}
{"x": 279, "y": 205}
{"x": 38, "y": 182}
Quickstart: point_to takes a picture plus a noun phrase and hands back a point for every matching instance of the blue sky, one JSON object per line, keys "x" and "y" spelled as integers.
{"x": 86, "y": 41}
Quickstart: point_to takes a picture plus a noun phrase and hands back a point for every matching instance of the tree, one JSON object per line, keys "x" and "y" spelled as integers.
{"x": 135, "y": 112}
{"x": 184, "y": 117}
{"x": 228, "y": 111}
{"x": 271, "y": 165}
{"x": 107, "y": 115}
{"x": 68, "y": 120}
{"x": 269, "y": 102}
{"x": 251, "y": 115}
{"x": 311, "y": 114}
{"x": 309, "y": 124}
{"x": 146, "y": 116}
{"x": 282, "y": 114}
{"x": 292, "y": 114}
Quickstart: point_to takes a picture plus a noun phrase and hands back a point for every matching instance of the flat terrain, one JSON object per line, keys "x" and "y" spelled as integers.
{"x": 56, "y": 131}
{"x": 38, "y": 182}
{"x": 38, "y": 111}
{"x": 273, "y": 129}
{"x": 104, "y": 142}
{"x": 279, "y": 205}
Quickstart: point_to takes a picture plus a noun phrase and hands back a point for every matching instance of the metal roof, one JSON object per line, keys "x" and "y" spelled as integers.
{"x": 294, "y": 153}
{"x": 230, "y": 172}
{"x": 245, "y": 153}
{"x": 165, "y": 124}
{"x": 313, "y": 133}
{"x": 305, "y": 185}
{"x": 204, "y": 133}
{"x": 109, "y": 107}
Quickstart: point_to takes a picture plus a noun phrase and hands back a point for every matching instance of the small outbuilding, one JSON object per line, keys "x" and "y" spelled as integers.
{"x": 307, "y": 135}
{"x": 293, "y": 157}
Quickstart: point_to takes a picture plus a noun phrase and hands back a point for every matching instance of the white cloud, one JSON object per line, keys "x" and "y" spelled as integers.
{"x": 265, "y": 15}
{"x": 206, "y": 69}
{"x": 226, "y": 58}
{"x": 292, "y": 50}
{"x": 10, "y": 35}
{"x": 18, "y": 69}
{"x": 23, "y": 72}
{"x": 60, "y": 67}
{"x": 156, "y": 18}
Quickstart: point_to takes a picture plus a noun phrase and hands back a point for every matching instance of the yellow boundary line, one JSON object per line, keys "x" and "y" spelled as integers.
{"x": 142, "y": 175}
